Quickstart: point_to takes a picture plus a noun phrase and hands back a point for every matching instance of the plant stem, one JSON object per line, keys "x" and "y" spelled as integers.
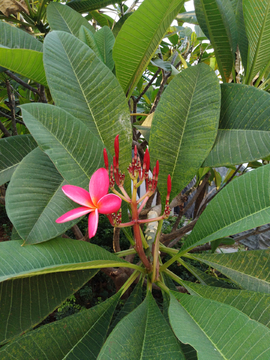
{"x": 129, "y": 282}
{"x": 174, "y": 277}
{"x": 125, "y": 252}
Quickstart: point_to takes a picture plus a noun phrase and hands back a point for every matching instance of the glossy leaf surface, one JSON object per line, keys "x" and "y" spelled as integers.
{"x": 88, "y": 5}
{"x": 183, "y": 130}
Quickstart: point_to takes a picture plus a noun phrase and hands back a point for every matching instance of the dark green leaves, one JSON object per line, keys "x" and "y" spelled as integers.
{"x": 243, "y": 134}
{"x": 143, "y": 334}
{"x": 12, "y": 151}
{"x": 184, "y": 126}
{"x": 88, "y": 90}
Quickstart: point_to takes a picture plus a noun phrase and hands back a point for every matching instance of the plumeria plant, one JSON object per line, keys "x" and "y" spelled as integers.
{"x": 75, "y": 105}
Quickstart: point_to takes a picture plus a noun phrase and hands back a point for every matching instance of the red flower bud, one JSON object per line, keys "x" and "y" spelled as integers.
{"x": 169, "y": 185}
{"x": 116, "y": 148}
{"x": 106, "y": 161}
{"x": 146, "y": 160}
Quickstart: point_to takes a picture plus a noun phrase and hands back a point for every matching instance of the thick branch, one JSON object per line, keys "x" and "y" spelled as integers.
{"x": 4, "y": 130}
{"x": 77, "y": 232}
{"x": 176, "y": 235}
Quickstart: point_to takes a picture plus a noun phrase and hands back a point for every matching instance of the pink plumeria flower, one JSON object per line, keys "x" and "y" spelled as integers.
{"x": 96, "y": 201}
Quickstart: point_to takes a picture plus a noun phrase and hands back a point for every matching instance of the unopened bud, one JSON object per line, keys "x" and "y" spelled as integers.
{"x": 106, "y": 161}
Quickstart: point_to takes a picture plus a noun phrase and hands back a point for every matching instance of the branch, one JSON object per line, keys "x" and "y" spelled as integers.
{"x": 4, "y": 130}
{"x": 160, "y": 91}
{"x": 77, "y": 232}
{"x": 116, "y": 237}
{"x": 12, "y": 105}
{"x": 19, "y": 81}
{"x": 148, "y": 85}
{"x": 178, "y": 234}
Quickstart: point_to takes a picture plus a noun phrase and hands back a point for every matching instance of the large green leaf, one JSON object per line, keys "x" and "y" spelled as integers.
{"x": 63, "y": 18}
{"x": 184, "y": 129}
{"x": 35, "y": 199}
{"x": 217, "y": 20}
{"x": 13, "y": 37}
{"x": 12, "y": 150}
{"x": 242, "y": 36}
{"x": 75, "y": 151}
{"x": 244, "y": 131}
{"x": 79, "y": 336}
{"x": 88, "y": 90}
{"x": 242, "y": 205}
{"x": 88, "y": 5}
{"x": 25, "y": 62}
{"x": 257, "y": 22}
{"x": 248, "y": 269}
{"x": 255, "y": 305}
{"x": 217, "y": 331}
{"x": 57, "y": 255}
{"x": 139, "y": 37}
{"x": 26, "y": 302}
{"x": 137, "y": 333}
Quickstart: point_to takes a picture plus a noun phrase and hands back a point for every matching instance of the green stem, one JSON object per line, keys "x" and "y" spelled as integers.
{"x": 174, "y": 277}
{"x": 155, "y": 274}
{"x": 163, "y": 287}
{"x": 125, "y": 252}
{"x": 129, "y": 282}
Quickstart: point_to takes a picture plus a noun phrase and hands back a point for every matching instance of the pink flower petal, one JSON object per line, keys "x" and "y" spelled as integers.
{"x": 99, "y": 185}
{"x": 73, "y": 214}
{"x": 109, "y": 203}
{"x": 78, "y": 194}
{"x": 92, "y": 223}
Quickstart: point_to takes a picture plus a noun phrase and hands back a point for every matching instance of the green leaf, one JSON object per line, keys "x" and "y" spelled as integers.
{"x": 117, "y": 27}
{"x": 79, "y": 336}
{"x": 154, "y": 18}
{"x": 88, "y": 90}
{"x": 105, "y": 41}
{"x": 253, "y": 304}
{"x": 243, "y": 134}
{"x": 24, "y": 62}
{"x": 133, "y": 301}
{"x": 34, "y": 199}
{"x": 189, "y": 17}
{"x": 63, "y": 18}
{"x": 242, "y": 205}
{"x": 217, "y": 20}
{"x": 57, "y": 255}
{"x": 183, "y": 130}
{"x": 88, "y": 38}
{"x": 74, "y": 150}
{"x": 46, "y": 292}
{"x": 242, "y": 36}
{"x": 248, "y": 269}
{"x": 12, "y": 150}
{"x": 137, "y": 333}
{"x": 257, "y": 22}
{"x": 217, "y": 331}
{"x": 88, "y": 5}
{"x": 13, "y": 37}
{"x": 102, "y": 19}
